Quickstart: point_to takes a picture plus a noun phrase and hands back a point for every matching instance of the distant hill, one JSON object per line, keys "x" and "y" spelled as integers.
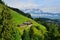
{"x": 36, "y": 13}
{"x": 21, "y": 12}
{"x": 47, "y": 20}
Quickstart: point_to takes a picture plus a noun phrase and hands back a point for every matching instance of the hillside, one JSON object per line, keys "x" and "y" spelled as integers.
{"x": 19, "y": 19}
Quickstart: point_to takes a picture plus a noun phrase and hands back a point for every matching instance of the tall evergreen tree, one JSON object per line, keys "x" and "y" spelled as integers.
{"x": 34, "y": 36}
{"x": 25, "y": 35}
{"x": 52, "y": 32}
{"x": 31, "y": 33}
{"x": 1, "y": 2}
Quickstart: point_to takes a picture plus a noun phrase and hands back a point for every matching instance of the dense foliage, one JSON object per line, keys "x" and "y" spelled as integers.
{"x": 8, "y": 30}
{"x": 52, "y": 28}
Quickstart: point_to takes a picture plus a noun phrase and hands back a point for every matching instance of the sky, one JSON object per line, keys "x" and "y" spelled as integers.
{"x": 45, "y": 5}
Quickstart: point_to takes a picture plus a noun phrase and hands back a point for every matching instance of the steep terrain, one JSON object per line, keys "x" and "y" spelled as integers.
{"x": 19, "y": 19}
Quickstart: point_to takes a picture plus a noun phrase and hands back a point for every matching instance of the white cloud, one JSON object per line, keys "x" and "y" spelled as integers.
{"x": 44, "y": 15}
{"x": 25, "y": 5}
{"x": 21, "y": 4}
{"x": 51, "y": 9}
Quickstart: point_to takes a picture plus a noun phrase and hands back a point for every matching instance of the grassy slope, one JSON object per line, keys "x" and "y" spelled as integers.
{"x": 19, "y": 19}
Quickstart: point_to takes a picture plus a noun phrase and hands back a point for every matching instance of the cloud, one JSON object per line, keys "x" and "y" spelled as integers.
{"x": 51, "y": 9}
{"x": 44, "y": 15}
{"x": 25, "y": 5}
{"x": 21, "y": 4}
{"x": 45, "y": 5}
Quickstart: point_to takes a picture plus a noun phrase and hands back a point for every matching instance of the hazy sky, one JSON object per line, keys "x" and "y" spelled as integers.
{"x": 45, "y": 5}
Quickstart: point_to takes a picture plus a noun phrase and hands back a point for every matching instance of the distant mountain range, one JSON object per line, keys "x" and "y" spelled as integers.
{"x": 39, "y": 13}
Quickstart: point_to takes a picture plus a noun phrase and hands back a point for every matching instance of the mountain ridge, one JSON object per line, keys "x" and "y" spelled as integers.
{"x": 39, "y": 13}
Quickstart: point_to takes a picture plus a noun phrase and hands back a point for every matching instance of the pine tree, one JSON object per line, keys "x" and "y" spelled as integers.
{"x": 31, "y": 33}
{"x": 52, "y": 32}
{"x": 1, "y": 2}
{"x": 34, "y": 36}
{"x": 25, "y": 35}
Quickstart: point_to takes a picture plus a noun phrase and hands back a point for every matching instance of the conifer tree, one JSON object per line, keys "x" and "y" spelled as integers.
{"x": 25, "y": 35}
{"x": 53, "y": 32}
{"x": 1, "y": 2}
